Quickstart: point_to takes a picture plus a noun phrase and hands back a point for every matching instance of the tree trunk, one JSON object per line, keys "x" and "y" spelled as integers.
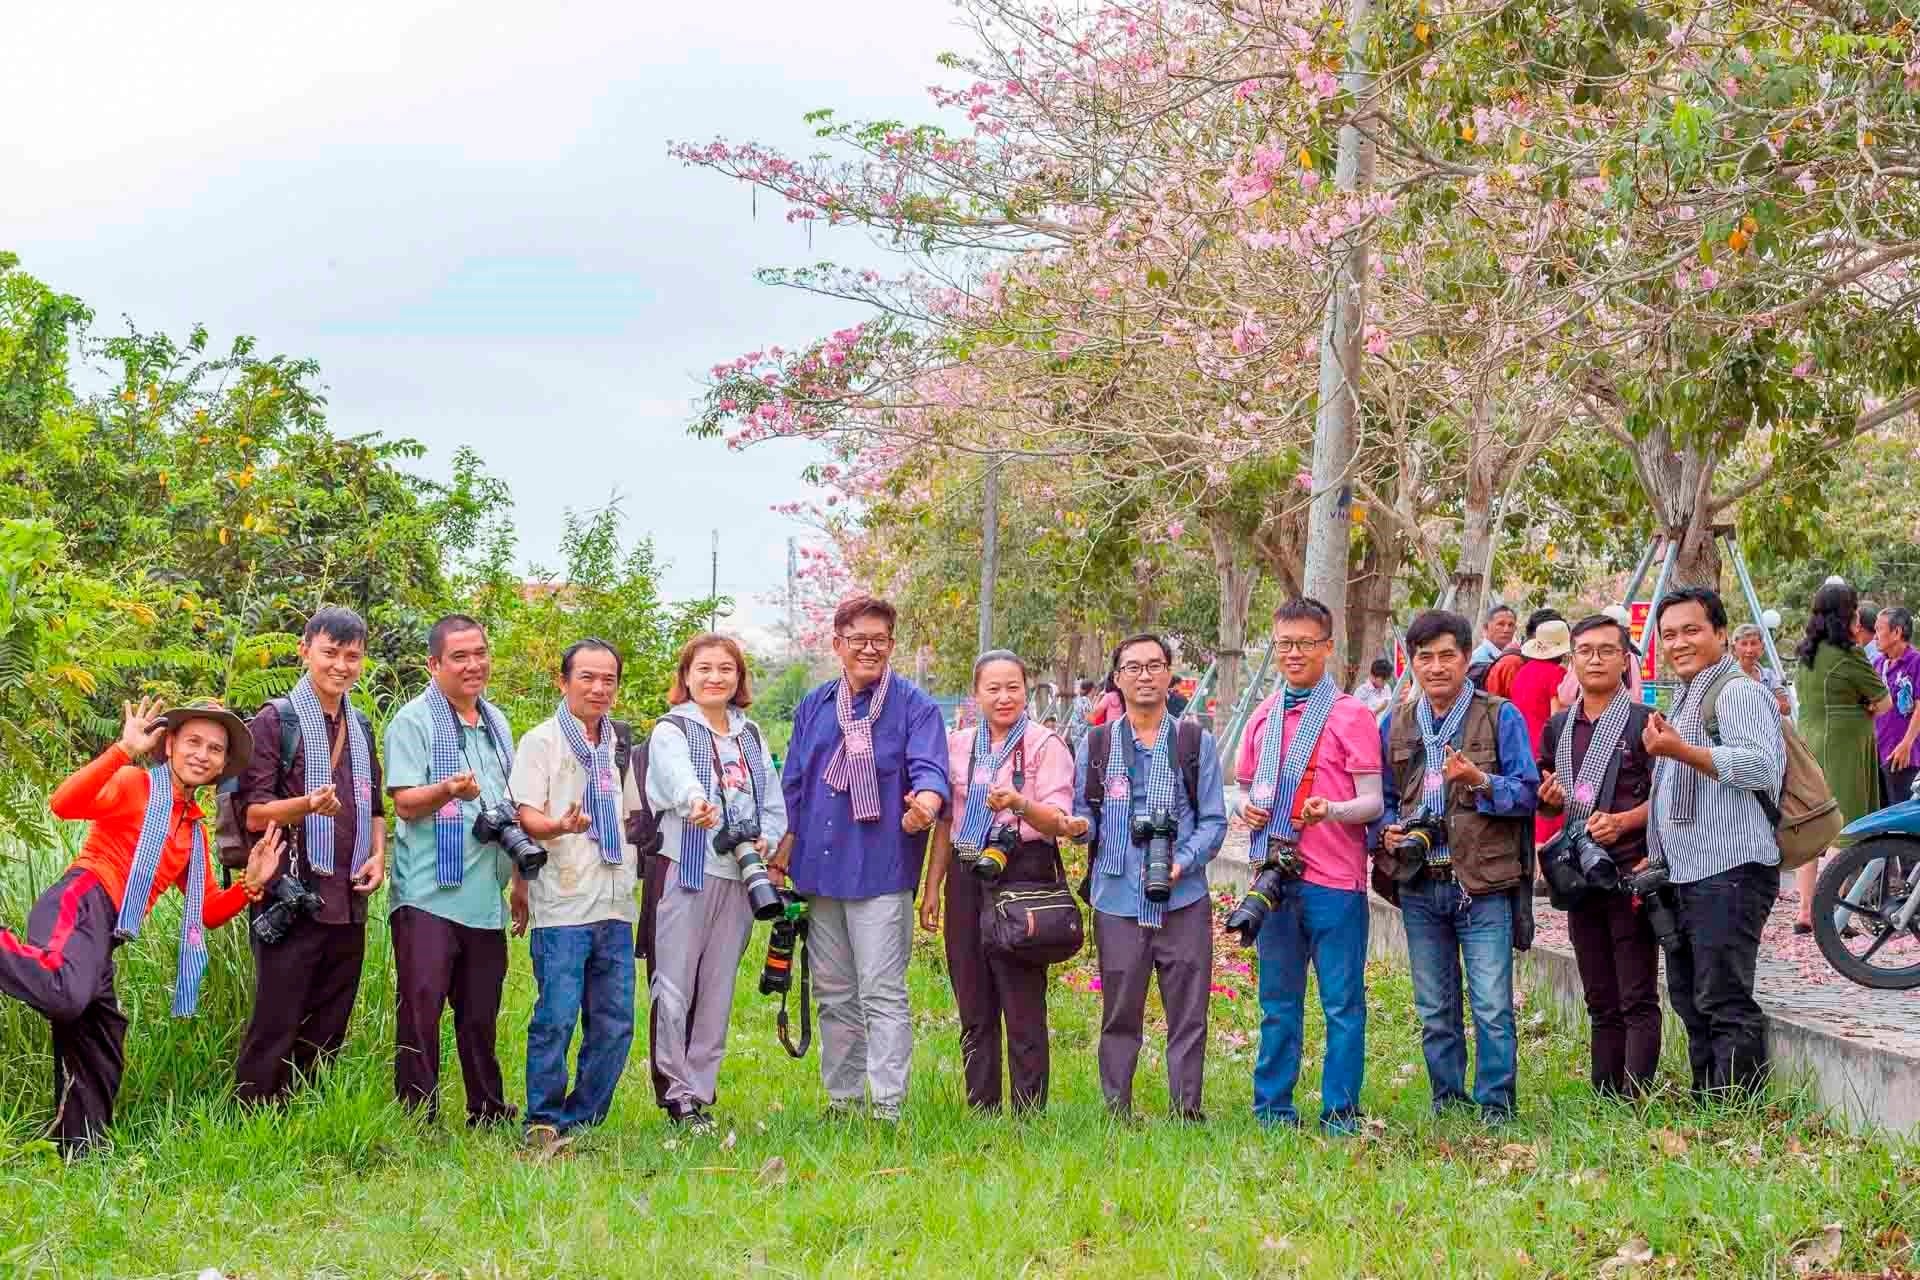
{"x": 1370, "y": 603}
{"x": 1233, "y": 562}
{"x": 1679, "y": 484}
{"x": 1329, "y": 539}
{"x": 1473, "y": 573}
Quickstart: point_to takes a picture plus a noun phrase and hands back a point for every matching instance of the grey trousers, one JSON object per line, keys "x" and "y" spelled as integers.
{"x": 860, "y": 948}
{"x": 698, "y": 941}
{"x": 1181, "y": 954}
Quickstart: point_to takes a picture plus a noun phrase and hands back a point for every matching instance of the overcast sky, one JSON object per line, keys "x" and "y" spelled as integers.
{"x": 466, "y": 213}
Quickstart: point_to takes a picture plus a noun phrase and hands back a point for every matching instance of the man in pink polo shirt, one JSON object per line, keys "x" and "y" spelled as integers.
{"x": 1313, "y": 783}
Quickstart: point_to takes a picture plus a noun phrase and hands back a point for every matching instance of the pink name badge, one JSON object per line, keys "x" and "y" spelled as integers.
{"x": 1435, "y": 780}
{"x": 606, "y": 778}
{"x": 196, "y": 937}
{"x": 451, "y": 809}
{"x": 1262, "y": 797}
{"x": 1116, "y": 788}
{"x": 1584, "y": 793}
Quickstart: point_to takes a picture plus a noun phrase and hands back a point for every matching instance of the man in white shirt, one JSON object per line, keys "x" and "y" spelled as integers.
{"x": 573, "y": 798}
{"x": 1376, "y": 691}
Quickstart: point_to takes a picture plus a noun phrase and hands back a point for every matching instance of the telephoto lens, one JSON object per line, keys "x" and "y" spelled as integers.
{"x": 501, "y": 825}
{"x": 1596, "y": 864}
{"x": 776, "y": 975}
{"x": 992, "y": 858}
{"x": 1651, "y": 887}
{"x": 737, "y": 837}
{"x": 1160, "y": 829}
{"x": 1425, "y": 832}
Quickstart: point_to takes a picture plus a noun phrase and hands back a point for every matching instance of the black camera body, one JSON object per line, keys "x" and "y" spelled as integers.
{"x": 1653, "y": 889}
{"x": 1155, "y": 833}
{"x": 735, "y": 832}
{"x": 500, "y": 824}
{"x": 789, "y": 927}
{"x": 287, "y": 900}
{"x": 1283, "y": 866}
{"x": 1425, "y": 836}
{"x": 1002, "y": 843}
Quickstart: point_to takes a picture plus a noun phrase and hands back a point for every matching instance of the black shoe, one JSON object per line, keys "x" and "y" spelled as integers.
{"x": 504, "y": 1117}
{"x": 690, "y": 1116}
{"x": 1801, "y": 927}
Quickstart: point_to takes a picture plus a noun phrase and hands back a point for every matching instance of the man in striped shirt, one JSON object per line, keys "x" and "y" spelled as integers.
{"x": 1716, "y": 839}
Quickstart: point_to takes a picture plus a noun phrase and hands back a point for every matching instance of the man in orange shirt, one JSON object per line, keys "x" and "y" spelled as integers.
{"x": 147, "y": 834}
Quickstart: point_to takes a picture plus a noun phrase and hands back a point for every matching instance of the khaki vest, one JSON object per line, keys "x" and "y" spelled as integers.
{"x": 1488, "y": 853}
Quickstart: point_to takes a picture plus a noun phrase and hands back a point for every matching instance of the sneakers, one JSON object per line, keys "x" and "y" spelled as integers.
{"x": 886, "y": 1112}
{"x": 690, "y": 1116}
{"x": 544, "y": 1142}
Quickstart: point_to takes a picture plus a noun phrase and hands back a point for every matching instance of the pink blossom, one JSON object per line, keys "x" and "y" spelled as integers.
{"x": 1376, "y": 339}
{"x": 1709, "y": 278}
{"x": 1681, "y": 280}
{"x": 1807, "y": 182}
{"x": 1175, "y": 529}
{"x": 1304, "y": 481}
{"x": 1805, "y": 368}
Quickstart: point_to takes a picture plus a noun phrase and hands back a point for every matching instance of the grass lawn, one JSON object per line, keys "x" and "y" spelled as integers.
{"x": 343, "y": 1184}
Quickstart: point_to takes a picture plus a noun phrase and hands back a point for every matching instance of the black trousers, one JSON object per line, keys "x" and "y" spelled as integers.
{"x": 1710, "y": 979}
{"x": 64, "y": 969}
{"x": 990, "y": 991}
{"x": 1620, "y": 972}
{"x": 436, "y": 963}
{"x": 303, "y": 992}
{"x": 1896, "y": 785}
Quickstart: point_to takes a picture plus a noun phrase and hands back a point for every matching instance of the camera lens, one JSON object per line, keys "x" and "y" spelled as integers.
{"x": 761, "y": 895}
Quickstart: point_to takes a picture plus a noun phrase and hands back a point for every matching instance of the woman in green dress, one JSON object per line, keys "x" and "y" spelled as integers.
{"x": 1839, "y": 696}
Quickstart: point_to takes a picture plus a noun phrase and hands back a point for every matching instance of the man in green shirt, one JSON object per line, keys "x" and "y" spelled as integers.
{"x": 449, "y": 754}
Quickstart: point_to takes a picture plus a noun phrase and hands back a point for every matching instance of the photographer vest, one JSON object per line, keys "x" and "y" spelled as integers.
{"x": 1489, "y": 854}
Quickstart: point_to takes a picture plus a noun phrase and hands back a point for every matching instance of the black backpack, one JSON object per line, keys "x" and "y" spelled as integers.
{"x": 643, "y": 825}
{"x": 1186, "y": 760}
{"x": 232, "y": 841}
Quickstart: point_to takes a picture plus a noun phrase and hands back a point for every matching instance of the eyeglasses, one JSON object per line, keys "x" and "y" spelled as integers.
{"x": 1605, "y": 652}
{"x": 1134, "y": 670}
{"x": 872, "y": 644}
{"x": 1297, "y": 646}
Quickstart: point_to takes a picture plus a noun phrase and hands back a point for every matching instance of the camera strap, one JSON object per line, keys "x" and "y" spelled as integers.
{"x": 804, "y": 962}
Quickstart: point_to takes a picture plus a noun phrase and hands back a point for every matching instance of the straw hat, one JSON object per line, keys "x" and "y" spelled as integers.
{"x": 1551, "y": 639}
{"x": 239, "y": 740}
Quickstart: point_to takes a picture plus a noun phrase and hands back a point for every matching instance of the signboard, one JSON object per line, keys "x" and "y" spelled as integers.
{"x": 1638, "y": 615}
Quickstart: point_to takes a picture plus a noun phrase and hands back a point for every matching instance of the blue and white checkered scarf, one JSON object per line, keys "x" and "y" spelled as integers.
{"x": 154, "y": 826}
{"x": 602, "y": 801}
{"x": 318, "y": 754}
{"x": 449, "y": 832}
{"x": 1116, "y": 809}
{"x": 1276, "y": 781}
{"x": 704, "y": 753}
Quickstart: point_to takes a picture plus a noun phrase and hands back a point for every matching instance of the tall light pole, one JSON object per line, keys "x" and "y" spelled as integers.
{"x": 989, "y": 550}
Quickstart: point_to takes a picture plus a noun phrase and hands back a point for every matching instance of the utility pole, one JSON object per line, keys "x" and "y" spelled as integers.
{"x": 989, "y": 551}
{"x": 793, "y": 613}
{"x": 713, "y": 607}
{"x": 1328, "y": 520}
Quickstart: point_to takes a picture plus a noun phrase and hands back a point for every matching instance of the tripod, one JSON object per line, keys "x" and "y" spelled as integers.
{"x": 1665, "y": 546}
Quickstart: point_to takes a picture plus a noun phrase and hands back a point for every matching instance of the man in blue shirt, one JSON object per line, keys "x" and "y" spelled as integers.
{"x": 865, "y": 779}
{"x": 1463, "y": 757}
{"x": 1147, "y": 763}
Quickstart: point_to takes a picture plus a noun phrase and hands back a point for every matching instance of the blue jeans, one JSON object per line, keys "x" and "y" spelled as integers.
{"x": 585, "y": 974}
{"x": 1444, "y": 926}
{"x": 1328, "y": 926}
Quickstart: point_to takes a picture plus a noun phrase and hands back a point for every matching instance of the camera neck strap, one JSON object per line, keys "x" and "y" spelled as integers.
{"x": 804, "y": 962}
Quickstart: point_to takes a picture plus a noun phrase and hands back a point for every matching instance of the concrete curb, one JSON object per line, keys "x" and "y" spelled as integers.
{"x": 1867, "y": 1085}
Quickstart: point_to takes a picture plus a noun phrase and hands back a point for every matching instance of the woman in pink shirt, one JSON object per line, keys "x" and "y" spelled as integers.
{"x": 1010, "y": 772}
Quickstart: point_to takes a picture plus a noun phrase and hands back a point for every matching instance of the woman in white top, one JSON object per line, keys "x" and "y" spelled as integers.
{"x": 708, "y": 768}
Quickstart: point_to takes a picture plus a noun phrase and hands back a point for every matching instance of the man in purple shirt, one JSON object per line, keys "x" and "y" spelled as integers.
{"x": 1896, "y": 729}
{"x": 865, "y": 779}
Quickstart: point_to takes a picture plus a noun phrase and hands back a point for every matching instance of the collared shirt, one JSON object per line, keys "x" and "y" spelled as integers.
{"x": 1202, "y": 824}
{"x": 577, "y": 886}
{"x": 1376, "y": 698}
{"x": 111, "y": 793}
{"x": 1729, "y": 827}
{"x": 1335, "y": 853}
{"x": 1513, "y": 792}
{"x": 1485, "y": 651}
{"x": 673, "y": 788}
{"x": 1048, "y": 780}
{"x": 413, "y": 876}
{"x": 835, "y": 856}
{"x": 1633, "y": 782}
{"x": 1901, "y": 675}
{"x": 268, "y": 778}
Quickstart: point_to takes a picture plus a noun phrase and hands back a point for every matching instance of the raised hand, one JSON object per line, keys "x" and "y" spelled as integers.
{"x": 324, "y": 801}
{"x": 1552, "y": 794}
{"x": 463, "y": 785}
{"x": 705, "y": 815}
{"x": 1314, "y": 810}
{"x": 574, "y": 822}
{"x": 142, "y": 728}
{"x": 1661, "y": 738}
{"x": 1458, "y": 768}
{"x": 263, "y": 860}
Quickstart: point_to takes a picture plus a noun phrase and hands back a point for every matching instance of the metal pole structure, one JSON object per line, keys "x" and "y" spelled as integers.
{"x": 1753, "y": 603}
{"x": 1329, "y": 531}
{"x": 1660, "y": 582}
{"x": 713, "y": 609}
{"x": 989, "y": 551}
{"x": 1640, "y": 571}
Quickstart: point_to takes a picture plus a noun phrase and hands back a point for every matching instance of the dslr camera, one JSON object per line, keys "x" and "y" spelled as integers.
{"x": 1576, "y": 864}
{"x": 735, "y": 839}
{"x": 287, "y": 900}
{"x": 789, "y": 927}
{"x": 991, "y": 859}
{"x": 500, "y": 824}
{"x": 1652, "y": 889}
{"x": 1424, "y": 842}
{"x": 1283, "y": 864}
{"x": 1154, "y": 832}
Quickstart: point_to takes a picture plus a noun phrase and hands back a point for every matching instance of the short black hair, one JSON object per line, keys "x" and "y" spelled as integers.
{"x": 1381, "y": 667}
{"x": 1706, "y": 597}
{"x": 1306, "y": 609}
{"x": 1145, "y": 637}
{"x": 1540, "y": 617}
{"x": 1086, "y": 686}
{"x": 1499, "y": 609}
{"x": 445, "y": 629}
{"x": 1595, "y": 621}
{"x": 583, "y": 646}
{"x": 1900, "y": 620}
{"x": 1436, "y": 624}
{"x": 338, "y": 623}
{"x": 1868, "y": 612}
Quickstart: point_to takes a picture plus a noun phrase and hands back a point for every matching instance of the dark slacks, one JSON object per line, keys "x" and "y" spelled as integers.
{"x": 64, "y": 969}
{"x": 1620, "y": 973}
{"x": 992, "y": 991}
{"x": 646, "y": 937}
{"x": 1896, "y": 785}
{"x": 438, "y": 962}
{"x": 303, "y": 992}
{"x": 1180, "y": 954}
{"x": 1710, "y": 980}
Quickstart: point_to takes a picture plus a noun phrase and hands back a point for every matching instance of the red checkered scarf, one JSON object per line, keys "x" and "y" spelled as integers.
{"x": 851, "y": 768}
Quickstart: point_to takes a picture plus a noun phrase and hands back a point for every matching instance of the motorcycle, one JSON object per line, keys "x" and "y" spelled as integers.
{"x": 1866, "y": 906}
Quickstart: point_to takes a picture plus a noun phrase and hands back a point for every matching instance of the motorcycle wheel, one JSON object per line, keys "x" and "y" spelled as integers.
{"x": 1875, "y": 956}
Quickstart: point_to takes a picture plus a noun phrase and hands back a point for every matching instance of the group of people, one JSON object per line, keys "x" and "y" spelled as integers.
{"x": 1431, "y": 801}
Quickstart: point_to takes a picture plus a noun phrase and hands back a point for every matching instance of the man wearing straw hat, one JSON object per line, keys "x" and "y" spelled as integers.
{"x": 147, "y": 834}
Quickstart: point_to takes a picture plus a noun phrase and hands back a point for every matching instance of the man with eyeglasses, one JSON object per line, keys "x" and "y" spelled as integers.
{"x": 1148, "y": 770}
{"x": 865, "y": 780}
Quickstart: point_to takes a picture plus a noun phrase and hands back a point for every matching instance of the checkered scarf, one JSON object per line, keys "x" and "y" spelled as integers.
{"x": 704, "y": 753}
{"x": 318, "y": 753}
{"x": 1116, "y": 811}
{"x": 1608, "y": 730}
{"x": 1275, "y": 781}
{"x": 602, "y": 801}
{"x": 1433, "y": 793}
{"x": 449, "y": 832}
{"x": 976, "y": 819}
{"x": 851, "y": 768}
{"x": 146, "y": 864}
{"x": 1689, "y": 721}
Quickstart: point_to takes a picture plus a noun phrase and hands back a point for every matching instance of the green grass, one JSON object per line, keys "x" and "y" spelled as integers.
{"x": 344, "y": 1184}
